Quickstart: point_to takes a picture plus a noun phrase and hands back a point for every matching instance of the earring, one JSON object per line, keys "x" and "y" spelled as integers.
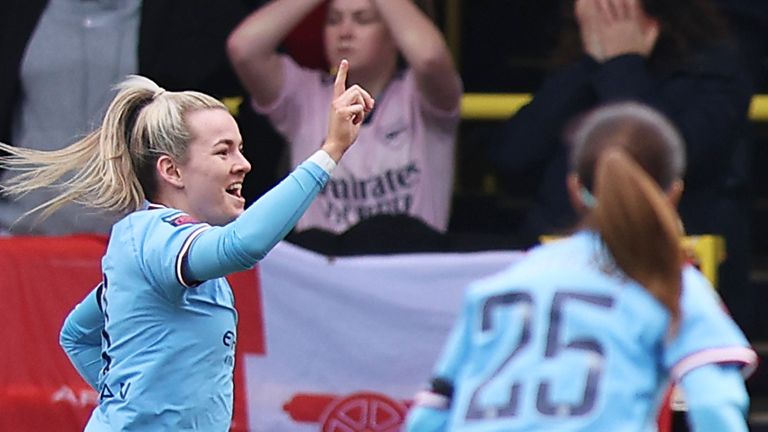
{"x": 587, "y": 198}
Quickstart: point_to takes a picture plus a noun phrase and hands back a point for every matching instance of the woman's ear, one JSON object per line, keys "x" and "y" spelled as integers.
{"x": 675, "y": 191}
{"x": 168, "y": 171}
{"x": 574, "y": 193}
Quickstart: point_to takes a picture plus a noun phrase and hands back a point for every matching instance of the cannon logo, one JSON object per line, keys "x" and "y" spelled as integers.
{"x": 357, "y": 412}
{"x": 180, "y": 219}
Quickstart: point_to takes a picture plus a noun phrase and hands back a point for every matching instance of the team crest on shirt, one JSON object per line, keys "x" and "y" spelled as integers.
{"x": 180, "y": 219}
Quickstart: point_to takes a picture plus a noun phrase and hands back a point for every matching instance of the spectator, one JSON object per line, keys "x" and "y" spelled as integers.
{"x": 585, "y": 332}
{"x": 61, "y": 59}
{"x": 404, "y": 163}
{"x": 676, "y": 57}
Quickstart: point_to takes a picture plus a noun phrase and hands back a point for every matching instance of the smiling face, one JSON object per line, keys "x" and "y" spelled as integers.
{"x": 355, "y": 31}
{"x": 213, "y": 172}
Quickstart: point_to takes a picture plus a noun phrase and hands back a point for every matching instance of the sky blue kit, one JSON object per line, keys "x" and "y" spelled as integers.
{"x": 157, "y": 337}
{"x": 564, "y": 341}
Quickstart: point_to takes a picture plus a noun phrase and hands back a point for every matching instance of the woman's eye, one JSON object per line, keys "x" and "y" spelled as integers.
{"x": 366, "y": 18}
{"x": 333, "y": 19}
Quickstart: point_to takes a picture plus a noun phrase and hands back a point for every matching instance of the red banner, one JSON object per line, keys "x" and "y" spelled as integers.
{"x": 41, "y": 280}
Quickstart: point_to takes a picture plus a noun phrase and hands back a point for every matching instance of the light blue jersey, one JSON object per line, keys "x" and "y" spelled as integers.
{"x": 181, "y": 377}
{"x": 167, "y": 342}
{"x": 563, "y": 342}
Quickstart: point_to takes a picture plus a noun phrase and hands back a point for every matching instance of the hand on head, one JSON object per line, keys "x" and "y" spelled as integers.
{"x": 610, "y": 28}
{"x": 348, "y": 109}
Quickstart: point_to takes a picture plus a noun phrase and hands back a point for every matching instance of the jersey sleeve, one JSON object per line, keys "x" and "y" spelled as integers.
{"x": 446, "y": 119}
{"x": 178, "y": 252}
{"x": 242, "y": 243}
{"x": 287, "y": 112}
{"x": 80, "y": 337}
{"x": 425, "y": 419}
{"x": 431, "y": 406}
{"x": 162, "y": 241}
{"x": 456, "y": 348}
{"x": 707, "y": 335}
{"x": 716, "y": 398}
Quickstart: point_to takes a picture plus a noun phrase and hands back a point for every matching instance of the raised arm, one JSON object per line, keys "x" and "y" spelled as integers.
{"x": 252, "y": 46}
{"x": 611, "y": 28}
{"x": 423, "y": 46}
{"x": 707, "y": 98}
{"x": 240, "y": 244}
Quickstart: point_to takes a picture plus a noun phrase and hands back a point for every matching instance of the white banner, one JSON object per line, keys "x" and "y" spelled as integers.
{"x": 350, "y": 340}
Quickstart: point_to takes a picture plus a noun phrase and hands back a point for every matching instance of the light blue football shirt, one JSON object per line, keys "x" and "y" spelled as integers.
{"x": 167, "y": 342}
{"x": 563, "y": 342}
{"x": 168, "y": 350}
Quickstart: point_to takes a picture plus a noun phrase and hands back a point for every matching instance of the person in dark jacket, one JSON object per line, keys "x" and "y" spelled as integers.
{"x": 676, "y": 57}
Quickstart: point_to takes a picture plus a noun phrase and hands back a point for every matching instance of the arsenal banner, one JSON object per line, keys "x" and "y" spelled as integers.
{"x": 324, "y": 344}
{"x": 349, "y": 340}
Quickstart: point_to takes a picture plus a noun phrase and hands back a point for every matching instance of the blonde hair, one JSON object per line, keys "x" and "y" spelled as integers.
{"x": 113, "y": 167}
{"x": 628, "y": 153}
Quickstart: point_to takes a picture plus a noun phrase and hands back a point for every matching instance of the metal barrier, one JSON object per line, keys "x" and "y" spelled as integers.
{"x": 500, "y": 106}
{"x": 707, "y": 252}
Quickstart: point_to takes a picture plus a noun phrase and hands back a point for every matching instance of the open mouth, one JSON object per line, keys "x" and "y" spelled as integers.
{"x": 235, "y": 189}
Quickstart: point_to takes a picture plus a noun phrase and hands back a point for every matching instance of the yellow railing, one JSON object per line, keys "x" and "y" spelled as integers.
{"x": 758, "y": 109}
{"x": 492, "y": 106}
{"x": 707, "y": 252}
{"x": 499, "y": 106}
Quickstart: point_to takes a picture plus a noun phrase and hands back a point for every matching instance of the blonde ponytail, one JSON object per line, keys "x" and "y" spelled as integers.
{"x": 113, "y": 167}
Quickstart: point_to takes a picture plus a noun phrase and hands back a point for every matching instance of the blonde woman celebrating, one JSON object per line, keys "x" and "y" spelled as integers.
{"x": 156, "y": 338}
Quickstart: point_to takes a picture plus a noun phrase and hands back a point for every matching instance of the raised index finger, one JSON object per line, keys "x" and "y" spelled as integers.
{"x": 341, "y": 79}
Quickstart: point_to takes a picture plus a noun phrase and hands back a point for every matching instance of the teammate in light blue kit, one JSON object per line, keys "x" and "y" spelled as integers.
{"x": 586, "y": 332}
{"x": 157, "y": 337}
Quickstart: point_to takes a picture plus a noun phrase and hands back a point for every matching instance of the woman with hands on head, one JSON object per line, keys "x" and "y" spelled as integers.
{"x": 404, "y": 164}
{"x": 675, "y": 56}
{"x": 615, "y": 27}
{"x": 156, "y": 338}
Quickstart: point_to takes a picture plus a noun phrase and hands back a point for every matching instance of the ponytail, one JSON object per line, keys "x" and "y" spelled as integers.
{"x": 630, "y": 156}
{"x": 640, "y": 228}
{"x": 96, "y": 179}
{"x": 113, "y": 167}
